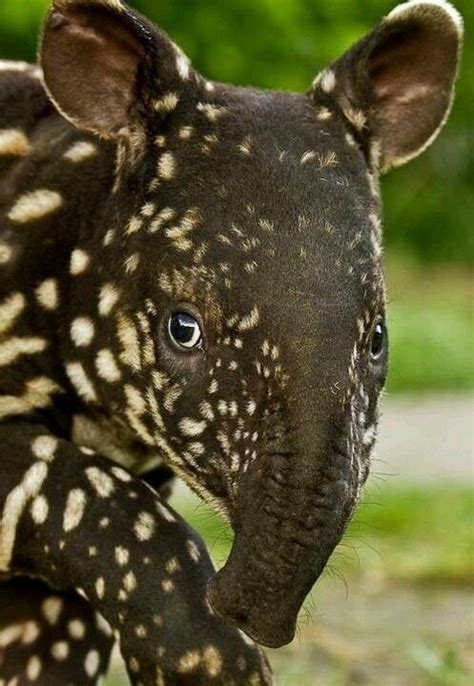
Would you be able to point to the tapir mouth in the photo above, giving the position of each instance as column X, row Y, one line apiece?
column 262, row 629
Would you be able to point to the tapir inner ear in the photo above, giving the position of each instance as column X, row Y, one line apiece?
column 103, row 64
column 396, row 85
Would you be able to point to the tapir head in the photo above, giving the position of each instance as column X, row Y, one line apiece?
column 238, row 299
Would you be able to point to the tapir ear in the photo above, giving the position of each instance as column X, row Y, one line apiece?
column 396, row 85
column 104, row 64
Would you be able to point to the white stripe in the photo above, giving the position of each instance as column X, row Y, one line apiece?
column 15, row 505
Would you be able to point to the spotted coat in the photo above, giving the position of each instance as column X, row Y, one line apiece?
column 191, row 284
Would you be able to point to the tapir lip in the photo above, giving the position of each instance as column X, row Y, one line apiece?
column 269, row 636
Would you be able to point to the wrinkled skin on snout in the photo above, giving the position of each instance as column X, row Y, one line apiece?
column 257, row 216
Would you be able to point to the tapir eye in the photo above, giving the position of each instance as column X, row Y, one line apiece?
column 185, row 331
column 379, row 340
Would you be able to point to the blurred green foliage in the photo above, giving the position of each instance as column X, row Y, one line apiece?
column 283, row 44
column 430, row 321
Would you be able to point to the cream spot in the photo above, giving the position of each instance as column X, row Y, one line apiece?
column 182, row 65
column 100, row 481
column 74, row 510
column 121, row 474
column 144, row 526
column 14, row 347
column 251, row 407
column 327, row 81
column 189, row 661
column 107, row 367
column 76, row 629
column 82, row 331
column 307, row 157
column 109, row 237
column 211, row 112
column 134, row 225
column 35, row 205
column 128, row 337
column 130, row 582
column 193, row 550
column 13, row 142
column 122, row 556
column 350, row 140
column 79, row 261
column 250, row 321
column 80, row 151
column 167, row 103
column 39, row 509
column 100, row 587
column 10, row 634
column 323, row 114
column 167, row 585
column 38, row 392
column 6, row 253
column 141, row 631
column 51, row 609
column 134, row 665
column 33, row 668
column 165, row 215
column 213, row 660
column 135, row 400
column 191, row 427
column 44, row 447
column 92, row 663
column 131, row 263
column 108, row 297
column 31, row 632
column 172, row 566
column 81, row 381
column 60, row 650
column 10, row 310
column 166, row 514
column 186, row 132
column 103, row 625
column 356, row 117
column 47, row 294
column 245, row 146
column 167, row 166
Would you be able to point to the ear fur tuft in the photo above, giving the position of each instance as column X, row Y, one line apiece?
column 395, row 87
column 419, row 6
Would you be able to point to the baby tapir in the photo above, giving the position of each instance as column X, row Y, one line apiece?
column 190, row 283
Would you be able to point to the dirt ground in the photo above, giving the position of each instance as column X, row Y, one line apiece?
column 426, row 438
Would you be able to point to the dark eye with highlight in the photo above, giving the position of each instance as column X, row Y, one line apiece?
column 378, row 344
column 185, row 331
